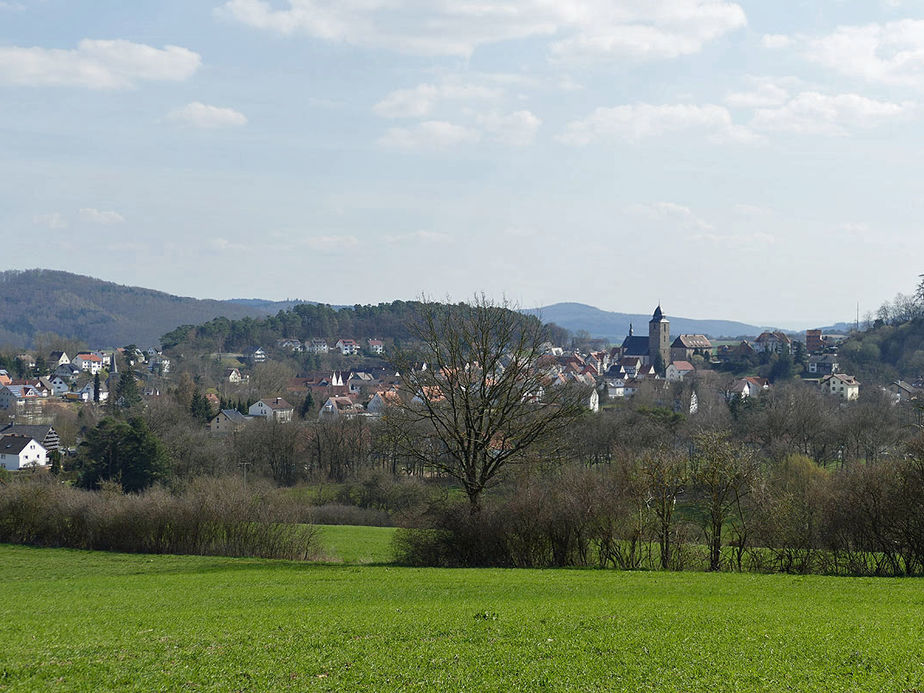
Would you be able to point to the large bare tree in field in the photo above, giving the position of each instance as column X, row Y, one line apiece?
column 475, row 397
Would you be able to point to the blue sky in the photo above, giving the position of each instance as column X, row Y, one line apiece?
column 753, row 160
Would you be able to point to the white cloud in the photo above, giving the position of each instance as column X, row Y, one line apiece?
column 516, row 129
column 200, row 115
column 890, row 53
column 422, row 236
column 330, row 243
column 765, row 93
column 429, row 135
column 638, row 121
column 672, row 213
column 53, row 220
column 812, row 113
column 96, row 65
column 776, row 41
column 12, row 6
column 97, row 216
column 420, row 101
column 582, row 28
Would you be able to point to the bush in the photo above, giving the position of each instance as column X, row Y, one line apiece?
column 219, row 517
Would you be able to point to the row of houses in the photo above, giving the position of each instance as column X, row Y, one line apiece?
column 347, row 347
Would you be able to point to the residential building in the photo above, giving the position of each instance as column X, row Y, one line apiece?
column 318, row 346
column 678, row 370
column 274, row 409
column 21, row 452
column 46, row 435
column 376, row 346
column 228, row 421
column 57, row 358
column 813, row 341
column 5, row 378
column 905, row 392
column 336, row 407
column 841, row 385
column 18, row 397
column 773, row 342
column 823, row 364
column 255, row 355
column 233, row 376
column 88, row 363
column 347, row 347
column 290, row 344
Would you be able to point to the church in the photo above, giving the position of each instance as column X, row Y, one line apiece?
column 656, row 344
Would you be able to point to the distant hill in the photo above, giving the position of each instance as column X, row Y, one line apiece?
column 615, row 326
column 103, row 313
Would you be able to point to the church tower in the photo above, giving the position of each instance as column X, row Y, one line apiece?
column 659, row 338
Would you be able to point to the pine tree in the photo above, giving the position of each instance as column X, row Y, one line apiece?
column 200, row 407
column 127, row 394
column 96, row 387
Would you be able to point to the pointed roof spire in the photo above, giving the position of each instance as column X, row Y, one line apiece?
column 630, row 329
column 658, row 314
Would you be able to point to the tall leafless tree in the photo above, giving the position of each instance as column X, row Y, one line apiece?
column 475, row 396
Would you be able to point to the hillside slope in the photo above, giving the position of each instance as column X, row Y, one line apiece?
column 98, row 312
column 615, row 326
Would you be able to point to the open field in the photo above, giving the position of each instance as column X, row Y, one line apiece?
column 72, row 620
column 356, row 545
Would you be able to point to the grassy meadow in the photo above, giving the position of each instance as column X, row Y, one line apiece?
column 75, row 620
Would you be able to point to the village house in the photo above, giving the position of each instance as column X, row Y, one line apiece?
column 382, row 400
column 686, row 346
column 228, row 421
column 841, row 385
column 750, row 386
column 773, row 342
column 376, row 346
column 5, row 378
column 88, row 363
column 233, row 376
column 45, row 435
column 339, row 407
column 18, row 397
column 255, row 355
column 274, row 409
column 678, row 370
column 347, row 347
column 905, row 392
column 823, row 364
column 57, row 358
column 318, row 346
column 21, row 452
column 290, row 344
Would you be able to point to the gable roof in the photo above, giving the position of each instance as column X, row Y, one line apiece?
column 683, row 366
column 276, row 404
column 14, row 444
column 635, row 346
column 691, row 341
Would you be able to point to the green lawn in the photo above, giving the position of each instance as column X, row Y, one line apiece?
column 72, row 620
column 359, row 545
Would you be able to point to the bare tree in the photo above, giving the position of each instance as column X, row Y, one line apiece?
column 722, row 472
column 475, row 399
column 666, row 473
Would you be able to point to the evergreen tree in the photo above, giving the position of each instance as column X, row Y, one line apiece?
column 200, row 408
column 127, row 394
column 123, row 451
column 96, row 387
column 307, row 405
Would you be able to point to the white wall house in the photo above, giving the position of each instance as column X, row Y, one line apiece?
column 88, row 363
column 840, row 385
column 678, row 370
column 21, row 452
column 275, row 409
column 347, row 347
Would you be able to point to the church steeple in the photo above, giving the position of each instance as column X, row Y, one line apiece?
column 659, row 338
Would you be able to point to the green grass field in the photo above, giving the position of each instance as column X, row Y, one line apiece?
column 72, row 620
column 356, row 545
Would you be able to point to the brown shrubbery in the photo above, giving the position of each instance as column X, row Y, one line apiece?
column 789, row 516
column 211, row 517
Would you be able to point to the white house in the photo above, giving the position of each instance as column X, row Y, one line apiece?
column 335, row 407
column 233, row 376
column 86, row 392
column 317, row 346
column 678, row 370
column 843, row 386
column 376, row 346
column 88, row 363
column 275, row 409
column 347, row 347
column 58, row 358
column 21, row 452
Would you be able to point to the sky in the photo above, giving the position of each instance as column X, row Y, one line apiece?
column 756, row 161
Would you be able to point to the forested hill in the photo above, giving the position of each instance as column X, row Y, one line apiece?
column 306, row 321
column 98, row 312
column 614, row 326
column 886, row 352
